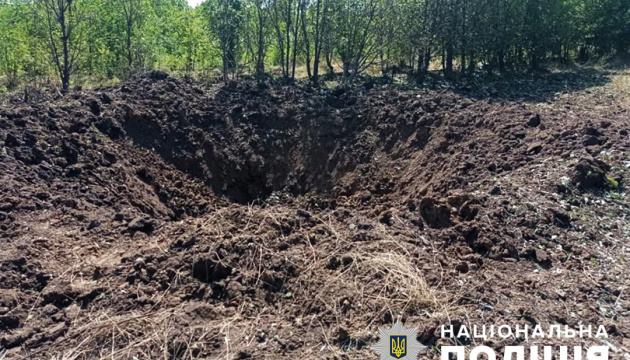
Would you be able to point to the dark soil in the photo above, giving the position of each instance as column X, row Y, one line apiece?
column 158, row 219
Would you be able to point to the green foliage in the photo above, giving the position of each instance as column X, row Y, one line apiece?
column 613, row 183
column 13, row 43
column 225, row 21
column 115, row 38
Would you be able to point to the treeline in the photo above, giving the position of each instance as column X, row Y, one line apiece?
column 96, row 40
column 103, row 39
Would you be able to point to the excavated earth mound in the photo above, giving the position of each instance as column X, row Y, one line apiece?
column 158, row 219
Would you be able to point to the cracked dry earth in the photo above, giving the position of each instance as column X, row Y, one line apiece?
column 159, row 219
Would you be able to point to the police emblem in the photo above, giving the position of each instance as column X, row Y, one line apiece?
column 398, row 343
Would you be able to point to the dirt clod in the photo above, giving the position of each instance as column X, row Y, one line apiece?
column 590, row 174
column 435, row 214
column 462, row 267
column 534, row 148
column 534, row 121
column 142, row 224
column 542, row 257
column 208, row 271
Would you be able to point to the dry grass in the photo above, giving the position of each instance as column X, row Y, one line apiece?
column 396, row 274
column 384, row 279
column 151, row 335
column 385, row 276
column 621, row 87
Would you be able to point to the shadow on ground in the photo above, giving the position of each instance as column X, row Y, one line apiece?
column 524, row 87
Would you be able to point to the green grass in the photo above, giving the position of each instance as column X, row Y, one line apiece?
column 612, row 182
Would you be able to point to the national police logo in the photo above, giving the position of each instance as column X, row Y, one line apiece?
column 398, row 343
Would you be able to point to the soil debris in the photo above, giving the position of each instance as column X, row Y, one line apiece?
column 293, row 221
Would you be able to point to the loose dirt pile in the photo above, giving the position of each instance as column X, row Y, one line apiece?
column 157, row 219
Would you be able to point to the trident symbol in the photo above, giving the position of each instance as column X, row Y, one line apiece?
column 398, row 346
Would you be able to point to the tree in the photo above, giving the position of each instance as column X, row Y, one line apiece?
column 103, row 39
column 357, row 23
column 13, row 43
column 286, row 21
column 260, row 22
column 320, row 29
column 63, row 19
column 130, row 10
column 225, row 17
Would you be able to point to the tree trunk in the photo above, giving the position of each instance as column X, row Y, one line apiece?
column 296, row 35
column 279, row 36
column 420, row 65
column 383, row 65
column 129, row 56
column 471, row 63
column 319, row 28
column 501, row 61
column 281, row 46
column 65, row 73
column 331, row 69
column 449, row 60
column 288, row 38
column 307, row 44
column 224, row 60
column 260, row 59
column 90, row 58
column 583, row 55
column 534, row 61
